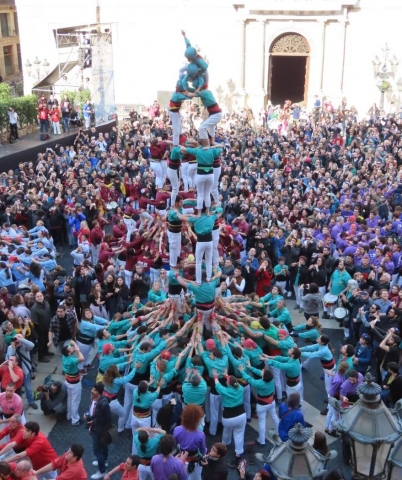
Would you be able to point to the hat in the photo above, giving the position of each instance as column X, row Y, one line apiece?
column 12, row 258
column 99, row 388
column 255, row 325
column 144, row 190
column 352, row 218
column 364, row 293
column 210, row 344
column 191, row 258
column 165, row 355
column 129, row 199
column 107, row 347
column 366, row 336
column 249, row 343
column 283, row 332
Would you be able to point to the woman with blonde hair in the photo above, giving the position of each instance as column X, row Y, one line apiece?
column 310, row 331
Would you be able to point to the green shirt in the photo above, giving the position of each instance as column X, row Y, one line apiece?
column 70, row 364
column 107, row 360
column 194, row 395
column 218, row 364
column 150, row 447
column 119, row 328
column 204, row 293
column 205, row 158
column 231, row 396
column 264, row 389
column 204, row 224
column 145, row 357
column 285, row 344
column 282, row 316
column 254, row 356
column 144, row 400
column 312, row 334
column 289, row 365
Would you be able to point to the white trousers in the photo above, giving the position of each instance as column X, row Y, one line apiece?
column 247, row 400
column 279, row 380
column 56, row 128
column 215, row 412
column 129, row 390
column 95, row 249
column 145, row 472
column 137, row 423
column 328, row 381
column 332, row 416
column 204, row 187
column 173, row 176
column 215, row 243
column 323, row 291
column 191, row 173
column 201, row 249
column 297, row 291
column 184, row 175
column 178, row 300
column 235, row 426
column 215, row 186
column 196, row 473
column 118, row 410
column 164, row 171
column 176, row 126
column 282, row 285
column 73, row 400
column 296, row 389
column 144, row 216
column 128, row 276
column 157, row 169
column 130, row 224
column 156, row 406
column 208, row 126
column 85, row 350
column 262, row 412
column 205, row 318
column 174, row 247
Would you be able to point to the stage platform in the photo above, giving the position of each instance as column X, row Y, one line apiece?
column 28, row 147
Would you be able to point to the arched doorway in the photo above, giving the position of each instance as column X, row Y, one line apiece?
column 288, row 69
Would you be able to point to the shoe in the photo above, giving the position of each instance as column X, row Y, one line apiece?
column 83, row 372
column 301, row 310
column 49, row 354
column 95, row 464
column 89, row 367
column 43, row 360
column 322, row 378
column 333, row 434
column 289, row 294
column 324, row 412
column 296, row 307
column 34, row 406
column 325, row 315
column 98, row 475
column 76, row 424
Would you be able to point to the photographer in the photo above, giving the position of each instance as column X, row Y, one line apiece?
column 53, row 398
column 13, row 119
column 21, row 348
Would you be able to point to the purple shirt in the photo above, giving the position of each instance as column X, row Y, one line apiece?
column 190, row 441
column 350, row 388
column 336, row 383
column 162, row 467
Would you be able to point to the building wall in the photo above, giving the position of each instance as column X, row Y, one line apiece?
column 12, row 40
column 148, row 48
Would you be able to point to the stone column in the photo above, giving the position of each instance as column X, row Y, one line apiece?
column 257, row 93
column 240, row 93
column 337, row 94
column 321, row 55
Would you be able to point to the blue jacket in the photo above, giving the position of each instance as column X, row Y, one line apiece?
column 288, row 420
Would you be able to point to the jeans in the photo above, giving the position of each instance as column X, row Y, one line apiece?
column 14, row 130
column 100, row 451
column 66, row 124
column 28, row 388
column 44, row 125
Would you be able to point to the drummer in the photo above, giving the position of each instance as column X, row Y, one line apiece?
column 337, row 284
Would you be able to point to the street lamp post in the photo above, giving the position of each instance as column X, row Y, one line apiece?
column 395, row 462
column 296, row 459
column 36, row 71
column 387, row 71
column 372, row 430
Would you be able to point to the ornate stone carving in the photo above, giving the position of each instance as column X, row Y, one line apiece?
column 290, row 43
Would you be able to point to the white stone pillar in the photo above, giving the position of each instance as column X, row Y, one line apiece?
column 321, row 55
column 256, row 94
column 239, row 95
column 337, row 94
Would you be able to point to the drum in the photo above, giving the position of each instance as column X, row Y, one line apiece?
column 111, row 206
column 340, row 313
column 330, row 300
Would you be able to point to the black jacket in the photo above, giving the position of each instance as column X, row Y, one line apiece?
column 215, row 470
column 101, row 418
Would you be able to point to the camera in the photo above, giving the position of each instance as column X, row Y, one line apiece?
column 45, row 389
column 14, row 339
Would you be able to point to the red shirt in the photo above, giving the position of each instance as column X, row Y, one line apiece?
column 72, row 471
column 6, row 377
column 133, row 475
column 12, row 433
column 37, row 448
column 12, row 405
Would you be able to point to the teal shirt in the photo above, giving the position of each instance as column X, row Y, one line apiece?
column 282, row 316
column 205, row 158
column 145, row 400
column 157, row 296
column 289, row 365
column 264, row 389
column 207, row 98
column 271, row 299
column 322, row 352
column 204, row 224
column 236, row 361
column 150, row 447
column 312, row 334
column 117, row 344
column 172, row 215
column 280, row 267
column 179, row 97
column 285, row 344
column 199, row 61
column 194, row 395
column 254, row 356
column 120, row 327
column 231, row 396
column 145, row 357
column 167, row 376
column 70, row 364
column 175, row 153
column 219, row 364
column 119, row 382
column 339, row 281
column 107, row 360
column 171, row 277
column 204, row 293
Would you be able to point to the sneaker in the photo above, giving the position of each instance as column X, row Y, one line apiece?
column 289, row 294
column 95, row 463
column 332, row 433
column 296, row 307
column 325, row 315
column 49, row 354
column 34, row 406
column 98, row 475
column 89, row 367
column 83, row 372
column 43, row 360
column 324, row 412
column 76, row 424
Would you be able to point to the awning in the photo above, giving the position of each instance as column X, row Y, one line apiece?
column 54, row 76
